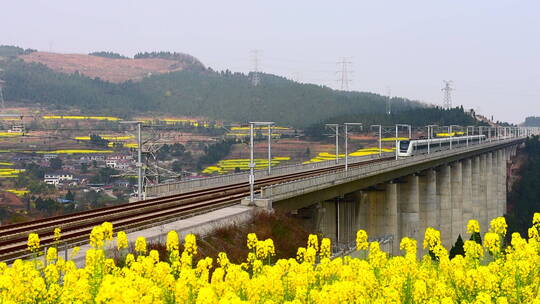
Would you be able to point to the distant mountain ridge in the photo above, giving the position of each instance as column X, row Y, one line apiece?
column 189, row 90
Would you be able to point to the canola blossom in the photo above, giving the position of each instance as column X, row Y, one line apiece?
column 230, row 165
column 325, row 156
column 80, row 117
column 492, row 272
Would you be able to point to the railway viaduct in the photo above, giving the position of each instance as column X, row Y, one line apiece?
column 393, row 199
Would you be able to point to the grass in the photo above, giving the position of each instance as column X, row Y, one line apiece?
column 287, row 232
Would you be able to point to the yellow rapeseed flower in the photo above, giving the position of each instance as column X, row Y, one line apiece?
column 251, row 240
column 473, row 250
column 536, row 219
column 492, row 242
column 190, row 244
column 313, row 242
column 409, row 245
column 121, row 240
column 107, row 231
column 361, row 240
column 473, row 227
column 172, row 241
column 325, row 251
column 52, row 254
column 432, row 238
column 504, row 276
column 57, row 234
column 498, row 225
column 140, row 245
column 97, row 235
column 33, row 242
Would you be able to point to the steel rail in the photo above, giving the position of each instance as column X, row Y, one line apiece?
column 76, row 227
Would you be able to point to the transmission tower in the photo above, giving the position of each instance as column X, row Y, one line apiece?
column 344, row 73
column 447, row 89
column 389, row 102
column 255, row 80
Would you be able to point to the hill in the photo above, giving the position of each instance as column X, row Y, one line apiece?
column 532, row 121
column 62, row 81
column 106, row 68
column 194, row 91
column 418, row 117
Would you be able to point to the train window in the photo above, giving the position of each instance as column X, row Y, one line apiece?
column 404, row 145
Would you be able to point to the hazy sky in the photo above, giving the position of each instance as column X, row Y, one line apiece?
column 490, row 49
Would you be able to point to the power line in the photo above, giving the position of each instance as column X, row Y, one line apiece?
column 344, row 73
column 255, row 79
column 447, row 89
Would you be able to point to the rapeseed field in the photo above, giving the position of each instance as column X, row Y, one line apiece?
column 489, row 272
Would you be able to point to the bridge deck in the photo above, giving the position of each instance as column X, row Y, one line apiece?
column 401, row 167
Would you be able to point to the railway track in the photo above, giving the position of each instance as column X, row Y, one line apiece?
column 141, row 214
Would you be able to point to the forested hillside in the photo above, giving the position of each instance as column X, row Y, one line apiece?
column 532, row 121
column 194, row 91
column 524, row 200
column 416, row 117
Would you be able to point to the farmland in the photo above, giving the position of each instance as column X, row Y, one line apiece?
column 489, row 271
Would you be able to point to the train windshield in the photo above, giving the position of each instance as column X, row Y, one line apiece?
column 404, row 145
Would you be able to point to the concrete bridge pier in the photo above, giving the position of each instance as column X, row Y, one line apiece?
column 340, row 218
column 503, row 182
column 443, row 196
column 483, row 197
column 409, row 208
column 444, row 199
column 476, row 200
column 491, row 184
column 467, row 194
column 457, row 199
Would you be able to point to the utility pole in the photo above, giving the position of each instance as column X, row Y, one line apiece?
column 139, row 163
column 447, row 98
column 335, row 127
column 380, row 138
column 255, row 79
column 450, row 133
column 430, row 136
column 139, row 158
column 347, row 140
column 344, row 73
column 252, row 125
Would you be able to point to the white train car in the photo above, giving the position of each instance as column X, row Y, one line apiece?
column 420, row 146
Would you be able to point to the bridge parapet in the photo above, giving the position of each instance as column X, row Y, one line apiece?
column 229, row 179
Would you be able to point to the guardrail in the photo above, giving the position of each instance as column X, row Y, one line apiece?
column 306, row 185
column 224, row 180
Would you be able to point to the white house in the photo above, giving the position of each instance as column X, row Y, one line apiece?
column 57, row 178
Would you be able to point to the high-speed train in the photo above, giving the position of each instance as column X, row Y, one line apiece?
column 420, row 146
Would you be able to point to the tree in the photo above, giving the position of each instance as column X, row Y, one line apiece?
column 104, row 176
column 457, row 248
column 98, row 141
column 70, row 196
column 177, row 166
column 84, row 168
column 55, row 163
